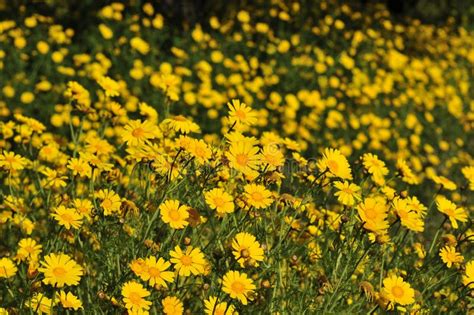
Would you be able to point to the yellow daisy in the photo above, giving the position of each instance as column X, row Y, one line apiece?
column 335, row 164
column 217, row 199
column 60, row 270
column 257, row 196
column 191, row 261
column 174, row 214
column 238, row 286
column 247, row 249
column 134, row 295
column 398, row 291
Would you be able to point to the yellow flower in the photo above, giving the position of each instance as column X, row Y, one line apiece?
column 28, row 249
column 374, row 215
column 139, row 267
column 110, row 86
column 105, row 31
column 182, row 124
column 69, row 300
column 174, row 214
column 11, row 161
column 140, row 45
column 238, row 286
column 335, row 163
column 172, row 306
column 60, row 269
column 451, row 211
column 468, row 277
column 134, row 295
column 41, row 304
column 450, row 256
column 348, row 193
column 155, row 273
column 67, row 217
column 407, row 174
column 214, row 308
column 443, row 181
column 217, row 199
column 240, row 113
column 409, row 218
column 110, row 201
column 83, row 207
column 257, row 196
column 192, row 261
column 8, row 268
column 375, row 167
column 243, row 156
column 137, row 132
column 27, row 97
column 398, row 291
column 271, row 157
column 468, row 172
column 247, row 249
column 80, row 167
column 54, row 179
column 199, row 150
column 168, row 83
column 79, row 95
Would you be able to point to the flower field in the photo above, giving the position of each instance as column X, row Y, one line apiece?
column 283, row 159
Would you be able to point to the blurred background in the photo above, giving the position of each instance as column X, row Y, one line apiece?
column 79, row 14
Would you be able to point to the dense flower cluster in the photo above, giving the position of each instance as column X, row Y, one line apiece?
column 258, row 164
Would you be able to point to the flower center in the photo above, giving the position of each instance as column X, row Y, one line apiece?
column 59, row 271
column 240, row 114
column 449, row 212
column 256, row 196
column 397, row 291
column 370, row 213
column 174, row 215
column 180, row 118
column 67, row 217
column 186, row 260
column 348, row 191
column 219, row 202
column 138, row 132
column 242, row 159
column 333, row 166
column 107, row 203
column 154, row 272
column 135, row 298
column 238, row 287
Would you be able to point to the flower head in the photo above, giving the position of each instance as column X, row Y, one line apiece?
column 335, row 164
column 174, row 214
column 60, row 270
column 8, row 268
column 348, row 193
column 172, row 306
column 398, row 291
column 257, row 196
column 134, row 295
column 110, row 86
column 238, row 286
column 247, row 249
column 155, row 272
column 219, row 200
column 240, row 113
column 190, row 261
column 453, row 212
column 450, row 256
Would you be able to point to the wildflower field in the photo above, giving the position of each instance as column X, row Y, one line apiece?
column 289, row 157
